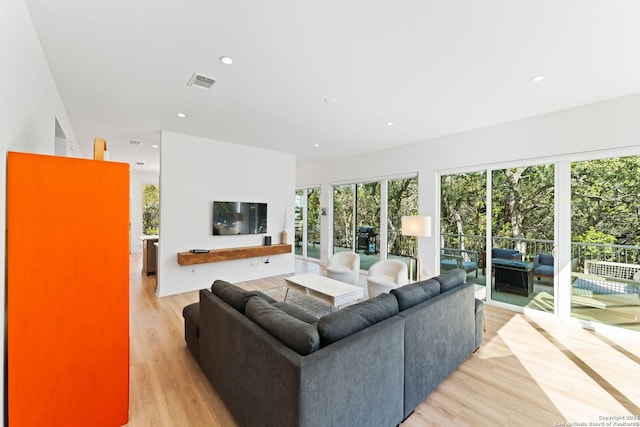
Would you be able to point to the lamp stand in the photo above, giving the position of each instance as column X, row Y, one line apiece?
column 415, row 269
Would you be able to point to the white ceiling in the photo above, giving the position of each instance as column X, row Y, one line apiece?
column 431, row 67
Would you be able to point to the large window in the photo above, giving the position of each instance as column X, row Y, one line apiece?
column 150, row 209
column 605, row 229
column 366, row 219
column 402, row 199
column 523, row 234
column 307, row 225
column 561, row 237
column 463, row 223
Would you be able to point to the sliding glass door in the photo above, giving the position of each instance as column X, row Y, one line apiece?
column 605, row 226
column 463, row 224
column 307, row 226
column 523, row 236
column 561, row 237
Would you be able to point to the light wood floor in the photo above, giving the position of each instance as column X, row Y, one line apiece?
column 528, row 372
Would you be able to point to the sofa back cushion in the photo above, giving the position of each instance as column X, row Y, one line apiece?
column 234, row 296
column 415, row 293
column 451, row 280
column 296, row 334
column 340, row 324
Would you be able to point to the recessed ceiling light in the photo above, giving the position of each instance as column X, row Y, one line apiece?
column 329, row 100
column 155, row 146
column 182, row 115
column 316, row 145
column 537, row 79
column 390, row 123
column 225, row 60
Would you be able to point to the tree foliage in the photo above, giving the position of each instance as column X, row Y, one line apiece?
column 606, row 197
column 605, row 202
column 150, row 209
column 365, row 200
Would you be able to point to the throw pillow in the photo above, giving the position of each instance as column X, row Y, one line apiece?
column 231, row 294
column 296, row 312
column 299, row 336
column 351, row 319
column 235, row 296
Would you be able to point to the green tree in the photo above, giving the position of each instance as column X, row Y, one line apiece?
column 402, row 199
column 150, row 209
column 606, row 197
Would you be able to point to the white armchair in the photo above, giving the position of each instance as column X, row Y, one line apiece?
column 345, row 267
column 386, row 275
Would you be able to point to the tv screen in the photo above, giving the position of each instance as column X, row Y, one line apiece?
column 239, row 218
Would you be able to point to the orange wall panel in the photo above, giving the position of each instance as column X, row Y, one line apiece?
column 67, row 291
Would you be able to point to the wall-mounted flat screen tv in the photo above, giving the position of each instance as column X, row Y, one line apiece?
column 239, row 218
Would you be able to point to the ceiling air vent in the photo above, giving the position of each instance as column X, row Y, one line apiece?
column 200, row 81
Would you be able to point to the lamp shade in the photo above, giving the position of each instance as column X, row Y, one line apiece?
column 416, row 226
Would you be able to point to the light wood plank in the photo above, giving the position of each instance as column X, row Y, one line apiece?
column 226, row 254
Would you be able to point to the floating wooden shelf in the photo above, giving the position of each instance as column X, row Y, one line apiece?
column 227, row 254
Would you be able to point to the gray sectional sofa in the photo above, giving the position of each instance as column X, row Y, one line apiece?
column 368, row 364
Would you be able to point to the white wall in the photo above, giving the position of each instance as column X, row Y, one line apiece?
column 29, row 103
column 138, row 178
column 194, row 173
column 605, row 125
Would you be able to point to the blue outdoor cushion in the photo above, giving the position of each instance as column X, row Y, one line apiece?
column 544, row 270
column 545, row 259
column 504, row 253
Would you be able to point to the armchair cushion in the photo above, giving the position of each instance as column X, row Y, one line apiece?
column 545, row 259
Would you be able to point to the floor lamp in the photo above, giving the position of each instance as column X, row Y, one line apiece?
column 417, row 226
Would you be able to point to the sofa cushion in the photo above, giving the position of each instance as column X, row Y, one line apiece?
column 235, row 296
column 452, row 279
column 351, row 319
column 299, row 336
column 297, row 312
column 415, row 293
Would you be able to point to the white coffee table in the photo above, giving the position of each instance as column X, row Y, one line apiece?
column 333, row 292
